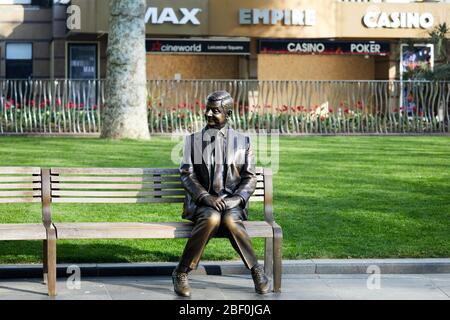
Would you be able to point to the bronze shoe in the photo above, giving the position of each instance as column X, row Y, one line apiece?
column 181, row 284
column 262, row 284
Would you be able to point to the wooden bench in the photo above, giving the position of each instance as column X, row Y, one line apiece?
column 137, row 185
column 26, row 185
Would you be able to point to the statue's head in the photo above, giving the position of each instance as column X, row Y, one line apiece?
column 219, row 107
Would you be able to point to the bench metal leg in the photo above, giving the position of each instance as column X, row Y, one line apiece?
column 51, row 263
column 268, row 257
column 44, row 261
column 277, row 258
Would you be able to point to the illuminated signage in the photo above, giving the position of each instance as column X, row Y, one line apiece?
column 169, row 15
column 293, row 17
column 396, row 20
column 200, row 46
column 303, row 46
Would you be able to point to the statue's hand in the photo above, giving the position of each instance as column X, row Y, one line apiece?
column 214, row 202
column 233, row 202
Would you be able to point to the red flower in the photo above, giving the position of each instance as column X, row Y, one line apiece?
column 359, row 105
column 346, row 110
column 330, row 110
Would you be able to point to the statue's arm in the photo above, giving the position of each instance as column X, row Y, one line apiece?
column 248, row 175
column 188, row 176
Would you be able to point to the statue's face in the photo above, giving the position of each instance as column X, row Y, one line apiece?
column 215, row 115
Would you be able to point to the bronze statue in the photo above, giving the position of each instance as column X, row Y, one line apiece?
column 218, row 173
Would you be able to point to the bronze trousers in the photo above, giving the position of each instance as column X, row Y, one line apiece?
column 209, row 222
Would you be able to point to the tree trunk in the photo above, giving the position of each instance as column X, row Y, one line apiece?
column 125, row 111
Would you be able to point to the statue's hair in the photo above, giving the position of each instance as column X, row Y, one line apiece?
column 223, row 98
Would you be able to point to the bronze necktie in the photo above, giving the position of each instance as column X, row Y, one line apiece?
column 217, row 163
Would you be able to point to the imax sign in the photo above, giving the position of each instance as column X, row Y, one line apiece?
column 169, row 15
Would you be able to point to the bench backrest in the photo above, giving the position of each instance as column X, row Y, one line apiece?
column 20, row 184
column 123, row 185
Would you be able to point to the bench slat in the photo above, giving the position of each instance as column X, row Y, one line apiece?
column 20, row 179
column 122, row 171
column 10, row 186
column 259, row 192
column 117, row 200
column 136, row 230
column 20, row 193
column 20, row 170
column 131, row 200
column 14, row 200
column 114, row 171
column 125, row 186
column 22, row 232
column 118, row 194
column 115, row 179
column 111, row 186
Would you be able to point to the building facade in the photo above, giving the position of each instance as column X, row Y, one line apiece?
column 231, row 39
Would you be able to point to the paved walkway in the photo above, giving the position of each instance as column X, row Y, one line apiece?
column 240, row 287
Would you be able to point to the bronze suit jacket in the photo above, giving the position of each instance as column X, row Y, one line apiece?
column 240, row 177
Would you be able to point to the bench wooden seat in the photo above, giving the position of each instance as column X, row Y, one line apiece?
column 23, row 231
column 150, row 230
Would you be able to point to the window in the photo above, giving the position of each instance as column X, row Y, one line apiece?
column 42, row 3
column 82, row 61
column 19, row 60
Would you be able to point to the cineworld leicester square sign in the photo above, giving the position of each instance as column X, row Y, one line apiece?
column 299, row 46
column 198, row 46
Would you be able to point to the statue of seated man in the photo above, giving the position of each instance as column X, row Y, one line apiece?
column 218, row 173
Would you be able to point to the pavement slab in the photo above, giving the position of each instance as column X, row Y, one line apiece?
column 237, row 287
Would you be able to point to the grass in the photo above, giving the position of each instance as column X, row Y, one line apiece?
column 335, row 197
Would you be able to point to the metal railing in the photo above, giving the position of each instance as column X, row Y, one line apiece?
column 50, row 106
column 292, row 107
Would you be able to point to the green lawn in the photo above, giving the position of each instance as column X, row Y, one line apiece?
column 335, row 197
